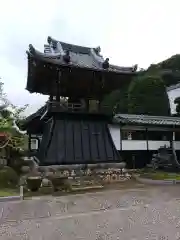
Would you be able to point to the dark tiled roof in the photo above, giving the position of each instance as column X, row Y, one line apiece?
column 146, row 120
column 33, row 116
column 38, row 113
column 75, row 48
column 84, row 60
column 173, row 87
column 79, row 56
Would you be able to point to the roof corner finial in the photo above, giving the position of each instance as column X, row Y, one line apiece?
column 49, row 39
column 105, row 64
column 97, row 50
column 31, row 49
column 67, row 57
column 135, row 67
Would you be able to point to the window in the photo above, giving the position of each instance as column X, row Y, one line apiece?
column 34, row 144
column 159, row 135
column 177, row 136
column 139, row 135
column 126, row 135
column 133, row 135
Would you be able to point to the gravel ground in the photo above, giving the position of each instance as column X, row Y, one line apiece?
column 151, row 213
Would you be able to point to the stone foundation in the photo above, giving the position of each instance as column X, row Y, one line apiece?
column 104, row 173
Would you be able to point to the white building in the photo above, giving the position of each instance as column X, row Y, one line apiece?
column 173, row 93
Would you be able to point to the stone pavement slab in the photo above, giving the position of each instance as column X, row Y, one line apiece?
column 152, row 213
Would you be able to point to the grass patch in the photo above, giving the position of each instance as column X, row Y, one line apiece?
column 5, row 192
column 161, row 176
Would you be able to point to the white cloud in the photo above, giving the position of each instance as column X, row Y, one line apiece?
column 128, row 32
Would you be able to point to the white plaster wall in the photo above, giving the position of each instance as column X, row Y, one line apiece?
column 134, row 145
column 115, row 134
column 154, row 145
column 177, row 145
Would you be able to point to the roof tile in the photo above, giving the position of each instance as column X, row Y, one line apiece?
column 146, row 119
column 80, row 56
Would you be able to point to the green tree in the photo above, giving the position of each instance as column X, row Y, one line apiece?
column 169, row 70
column 9, row 116
column 147, row 95
column 117, row 101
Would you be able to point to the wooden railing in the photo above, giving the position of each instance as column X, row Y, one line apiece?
column 69, row 107
column 74, row 107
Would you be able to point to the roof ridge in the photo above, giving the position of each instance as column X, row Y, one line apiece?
column 75, row 45
column 147, row 119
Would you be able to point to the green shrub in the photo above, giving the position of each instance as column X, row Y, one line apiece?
column 147, row 95
column 34, row 183
column 8, row 177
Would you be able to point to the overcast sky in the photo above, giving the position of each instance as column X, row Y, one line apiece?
column 128, row 31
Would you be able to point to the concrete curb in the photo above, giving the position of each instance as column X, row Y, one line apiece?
column 87, row 188
column 157, row 182
column 10, row 198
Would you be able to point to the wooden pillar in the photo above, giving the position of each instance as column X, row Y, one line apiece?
column 51, row 98
column 87, row 104
column 172, row 138
column 147, row 146
column 120, row 138
column 99, row 104
column 29, row 142
column 58, row 86
column 147, row 140
column 39, row 142
column 174, row 135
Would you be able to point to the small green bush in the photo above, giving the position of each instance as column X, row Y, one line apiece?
column 8, row 177
column 34, row 183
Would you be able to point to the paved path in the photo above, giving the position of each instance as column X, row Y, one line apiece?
column 152, row 213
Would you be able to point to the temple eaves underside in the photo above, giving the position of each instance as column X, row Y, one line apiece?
column 74, row 70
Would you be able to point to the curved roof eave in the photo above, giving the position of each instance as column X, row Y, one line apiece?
column 52, row 59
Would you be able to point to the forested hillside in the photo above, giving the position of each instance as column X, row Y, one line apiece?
column 147, row 91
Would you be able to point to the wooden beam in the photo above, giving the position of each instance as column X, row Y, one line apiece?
column 120, row 132
column 154, row 128
column 58, row 81
column 29, row 142
column 147, row 140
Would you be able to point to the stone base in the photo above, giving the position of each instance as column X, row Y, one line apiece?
column 75, row 189
column 85, row 177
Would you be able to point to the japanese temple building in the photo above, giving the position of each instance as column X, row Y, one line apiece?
column 136, row 137
column 73, row 125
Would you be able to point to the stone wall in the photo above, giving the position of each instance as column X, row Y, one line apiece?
column 106, row 173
